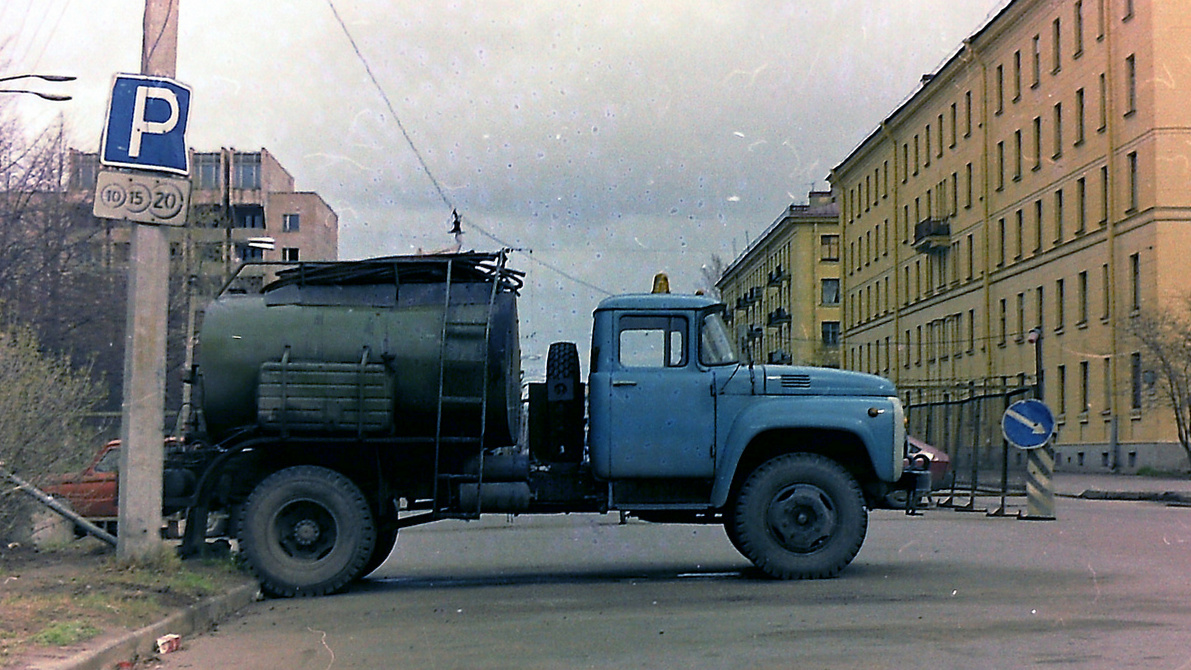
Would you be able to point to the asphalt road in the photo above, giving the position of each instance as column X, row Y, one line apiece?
column 1107, row 585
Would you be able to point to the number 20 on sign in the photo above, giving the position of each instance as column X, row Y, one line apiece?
column 136, row 197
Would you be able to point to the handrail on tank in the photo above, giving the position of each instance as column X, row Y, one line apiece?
column 476, row 266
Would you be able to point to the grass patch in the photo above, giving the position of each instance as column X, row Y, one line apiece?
column 64, row 634
column 63, row 597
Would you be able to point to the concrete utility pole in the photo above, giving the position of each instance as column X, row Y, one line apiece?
column 142, row 452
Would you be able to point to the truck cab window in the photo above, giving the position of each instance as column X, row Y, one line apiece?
column 715, row 347
column 652, row 342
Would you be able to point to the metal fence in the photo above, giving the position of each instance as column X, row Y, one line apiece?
column 965, row 422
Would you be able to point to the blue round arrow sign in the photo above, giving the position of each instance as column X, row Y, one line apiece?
column 1028, row 424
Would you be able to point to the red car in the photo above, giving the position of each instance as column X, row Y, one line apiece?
column 93, row 492
column 937, row 460
column 921, row 455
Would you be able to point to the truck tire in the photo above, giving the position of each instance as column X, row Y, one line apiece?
column 564, row 403
column 306, row 531
column 799, row 516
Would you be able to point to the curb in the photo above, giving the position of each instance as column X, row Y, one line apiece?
column 141, row 643
column 1148, row 496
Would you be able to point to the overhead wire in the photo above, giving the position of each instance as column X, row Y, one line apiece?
column 430, row 174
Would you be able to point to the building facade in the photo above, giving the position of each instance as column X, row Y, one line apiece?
column 1038, row 180
column 783, row 292
column 243, row 207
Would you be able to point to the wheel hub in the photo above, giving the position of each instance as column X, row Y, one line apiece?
column 306, row 532
column 801, row 517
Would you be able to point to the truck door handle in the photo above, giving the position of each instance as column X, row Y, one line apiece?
column 624, row 382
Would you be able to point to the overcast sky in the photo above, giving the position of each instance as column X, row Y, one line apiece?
column 610, row 140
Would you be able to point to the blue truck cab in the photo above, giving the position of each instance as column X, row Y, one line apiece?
column 789, row 458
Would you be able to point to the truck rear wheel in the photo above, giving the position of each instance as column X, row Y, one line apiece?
column 306, row 531
column 800, row 516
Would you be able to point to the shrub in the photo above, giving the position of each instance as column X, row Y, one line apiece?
column 44, row 402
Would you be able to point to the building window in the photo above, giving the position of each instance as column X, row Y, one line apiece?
column 1081, row 204
column 1104, row 292
column 291, row 223
column 1037, row 226
column 1082, row 297
column 1000, row 166
column 1001, row 242
column 1128, row 10
column 206, row 168
column 971, row 331
column 1039, row 306
column 246, row 171
column 1103, row 104
column 830, row 291
column 1130, row 84
column 1135, row 378
column 1056, row 30
column 1060, row 302
column 1104, row 194
column 1017, row 150
column 1135, row 282
column 1000, row 88
column 290, row 254
column 1058, row 129
column 1061, row 389
column 1078, row 28
column 1131, row 160
column 1004, row 324
column 1016, row 76
column 248, row 216
column 1036, row 66
column 1106, row 383
column 954, row 123
column 1083, row 386
column 830, row 331
column 1019, row 232
column 1079, row 116
column 246, row 252
column 1059, row 216
column 971, row 256
column 968, row 186
column 829, row 247
column 1037, row 143
column 967, row 114
column 1021, row 316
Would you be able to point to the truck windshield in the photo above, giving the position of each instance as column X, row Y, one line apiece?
column 715, row 347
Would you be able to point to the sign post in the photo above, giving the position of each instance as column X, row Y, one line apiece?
column 145, row 129
column 1030, row 425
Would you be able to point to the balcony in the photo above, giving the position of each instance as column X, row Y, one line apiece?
column 932, row 235
column 778, row 317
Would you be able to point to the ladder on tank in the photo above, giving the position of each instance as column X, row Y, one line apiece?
column 456, row 334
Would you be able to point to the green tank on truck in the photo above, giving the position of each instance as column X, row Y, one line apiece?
column 344, row 401
column 319, row 354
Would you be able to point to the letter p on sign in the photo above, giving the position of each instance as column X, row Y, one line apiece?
column 146, row 124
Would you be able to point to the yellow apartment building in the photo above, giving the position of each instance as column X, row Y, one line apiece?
column 783, row 292
column 1039, row 179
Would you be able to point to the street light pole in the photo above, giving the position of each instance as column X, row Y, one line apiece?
column 54, row 97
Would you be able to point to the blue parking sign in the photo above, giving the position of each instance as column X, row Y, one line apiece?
column 146, row 124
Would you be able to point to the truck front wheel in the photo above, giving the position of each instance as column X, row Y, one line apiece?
column 799, row 516
column 306, row 531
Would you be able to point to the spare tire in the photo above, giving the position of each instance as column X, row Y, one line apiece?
column 564, row 403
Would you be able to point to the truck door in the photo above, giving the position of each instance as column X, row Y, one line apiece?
column 661, row 409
